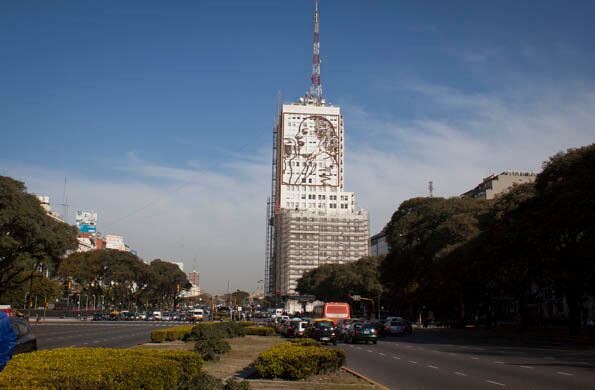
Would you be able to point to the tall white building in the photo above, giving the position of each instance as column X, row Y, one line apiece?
column 311, row 219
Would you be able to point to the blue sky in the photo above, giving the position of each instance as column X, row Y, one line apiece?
column 160, row 112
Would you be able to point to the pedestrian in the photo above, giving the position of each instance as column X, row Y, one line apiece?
column 8, row 340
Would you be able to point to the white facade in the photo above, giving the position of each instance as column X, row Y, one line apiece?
column 316, row 221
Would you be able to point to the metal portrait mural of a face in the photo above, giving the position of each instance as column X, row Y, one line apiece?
column 311, row 155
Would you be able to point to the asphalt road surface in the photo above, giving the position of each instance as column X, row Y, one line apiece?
column 431, row 359
column 112, row 334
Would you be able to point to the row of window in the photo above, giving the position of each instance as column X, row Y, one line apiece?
column 344, row 206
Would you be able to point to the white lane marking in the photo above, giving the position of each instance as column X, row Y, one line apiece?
column 369, row 350
column 498, row 362
column 451, row 353
column 475, row 358
column 496, row 383
column 358, row 347
column 527, row 367
column 564, row 373
column 396, row 357
column 460, row 373
column 433, row 350
column 380, row 353
column 412, row 361
column 434, row 367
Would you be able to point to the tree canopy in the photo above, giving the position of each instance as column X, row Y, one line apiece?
column 28, row 236
column 336, row 282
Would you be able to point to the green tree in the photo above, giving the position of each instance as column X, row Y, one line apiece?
column 28, row 236
column 422, row 233
column 42, row 288
column 336, row 282
column 566, row 195
column 165, row 282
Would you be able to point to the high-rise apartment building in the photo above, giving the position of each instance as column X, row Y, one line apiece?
column 311, row 220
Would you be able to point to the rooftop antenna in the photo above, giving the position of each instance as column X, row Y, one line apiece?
column 431, row 188
column 64, row 203
column 315, row 85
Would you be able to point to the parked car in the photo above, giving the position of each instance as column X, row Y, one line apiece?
column 296, row 328
column 26, row 341
column 365, row 332
column 323, row 331
column 156, row 316
column 166, row 316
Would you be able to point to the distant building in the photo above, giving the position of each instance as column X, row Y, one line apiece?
column 194, row 277
column 494, row 185
column 378, row 244
column 44, row 201
column 179, row 264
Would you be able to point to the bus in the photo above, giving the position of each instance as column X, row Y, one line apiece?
column 333, row 311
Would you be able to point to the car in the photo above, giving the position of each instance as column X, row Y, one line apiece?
column 379, row 326
column 156, row 316
column 397, row 327
column 365, row 332
column 343, row 326
column 323, row 331
column 166, row 316
column 296, row 328
column 26, row 341
column 197, row 314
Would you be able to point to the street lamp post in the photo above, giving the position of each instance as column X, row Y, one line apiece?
column 94, row 307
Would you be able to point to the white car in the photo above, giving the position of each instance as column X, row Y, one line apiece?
column 157, row 316
column 197, row 314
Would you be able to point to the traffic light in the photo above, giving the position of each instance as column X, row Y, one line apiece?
column 70, row 285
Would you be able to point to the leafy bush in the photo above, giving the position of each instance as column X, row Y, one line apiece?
column 232, row 384
column 214, row 330
column 260, row 330
column 209, row 349
column 101, row 368
column 294, row 361
column 204, row 381
column 171, row 334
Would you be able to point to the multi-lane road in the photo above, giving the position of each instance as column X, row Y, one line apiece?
column 433, row 360
column 116, row 334
column 428, row 359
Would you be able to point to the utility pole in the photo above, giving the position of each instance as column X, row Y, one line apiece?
column 431, row 189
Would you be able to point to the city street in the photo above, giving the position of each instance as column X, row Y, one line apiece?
column 430, row 359
column 112, row 334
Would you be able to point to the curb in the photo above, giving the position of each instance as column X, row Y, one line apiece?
column 365, row 378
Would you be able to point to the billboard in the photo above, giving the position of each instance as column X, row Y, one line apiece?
column 114, row 242
column 86, row 221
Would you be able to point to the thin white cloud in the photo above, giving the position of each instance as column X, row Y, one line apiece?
column 179, row 214
column 481, row 134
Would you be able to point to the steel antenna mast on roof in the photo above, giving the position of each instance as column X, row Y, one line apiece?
column 315, row 84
